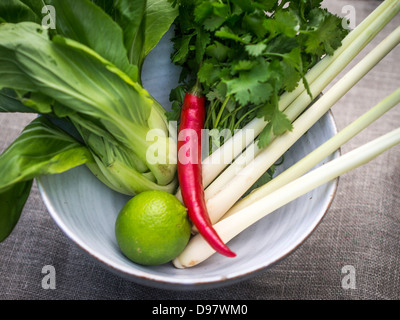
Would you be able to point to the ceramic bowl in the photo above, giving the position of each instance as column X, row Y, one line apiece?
column 86, row 210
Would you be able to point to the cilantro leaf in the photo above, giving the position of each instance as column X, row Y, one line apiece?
column 292, row 76
column 255, row 50
column 265, row 178
column 227, row 33
column 202, row 40
column 244, row 5
column 218, row 51
column 202, row 11
column 325, row 35
column 287, row 23
column 213, row 23
column 208, row 73
column 254, row 23
column 244, row 65
column 268, row 5
column 250, row 86
column 278, row 123
column 182, row 46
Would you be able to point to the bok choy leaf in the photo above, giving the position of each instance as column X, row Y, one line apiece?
column 42, row 148
column 12, row 201
column 15, row 11
column 84, row 22
column 143, row 24
column 9, row 102
column 113, row 113
column 122, row 31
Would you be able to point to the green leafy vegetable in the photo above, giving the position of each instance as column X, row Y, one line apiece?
column 12, row 201
column 136, row 25
column 159, row 17
column 83, row 21
column 9, row 102
column 84, row 76
column 132, row 20
column 143, row 24
column 42, row 148
column 87, row 85
column 15, row 11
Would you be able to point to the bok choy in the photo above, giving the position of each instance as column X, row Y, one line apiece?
column 83, row 76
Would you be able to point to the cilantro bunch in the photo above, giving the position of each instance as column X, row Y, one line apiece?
column 246, row 53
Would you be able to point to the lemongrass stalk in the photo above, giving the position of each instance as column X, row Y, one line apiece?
column 225, row 198
column 199, row 250
column 355, row 41
column 236, row 167
column 319, row 154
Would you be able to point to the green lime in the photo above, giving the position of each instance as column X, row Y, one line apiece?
column 152, row 228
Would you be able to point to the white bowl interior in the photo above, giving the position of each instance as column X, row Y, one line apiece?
column 85, row 209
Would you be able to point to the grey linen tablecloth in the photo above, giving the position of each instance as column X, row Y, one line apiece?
column 360, row 232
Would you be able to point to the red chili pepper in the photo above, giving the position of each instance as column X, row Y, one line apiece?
column 190, row 169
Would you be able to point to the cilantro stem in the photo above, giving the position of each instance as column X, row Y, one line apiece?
column 275, row 54
column 237, row 124
column 232, row 115
column 229, row 7
column 221, row 111
column 210, row 114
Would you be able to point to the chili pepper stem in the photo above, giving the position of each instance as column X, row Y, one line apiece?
column 197, row 90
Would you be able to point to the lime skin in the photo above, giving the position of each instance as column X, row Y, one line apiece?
column 152, row 228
